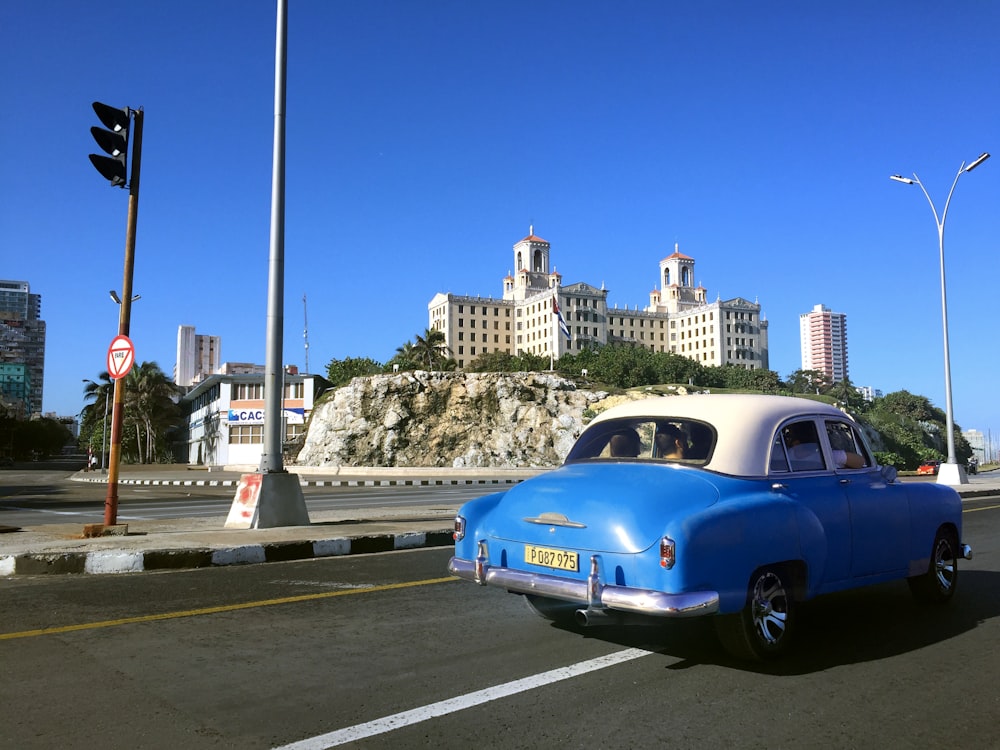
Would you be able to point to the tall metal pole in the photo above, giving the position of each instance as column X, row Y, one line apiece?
column 279, row 499
column 271, row 459
column 950, row 472
column 124, row 320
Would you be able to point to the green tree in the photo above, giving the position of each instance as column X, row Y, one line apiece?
column 150, row 412
column 742, row 379
column 429, row 350
column 95, row 417
column 340, row 371
column 497, row 361
column 807, row 381
column 845, row 392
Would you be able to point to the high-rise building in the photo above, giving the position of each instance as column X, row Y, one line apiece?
column 538, row 315
column 198, row 356
column 22, row 342
column 824, row 342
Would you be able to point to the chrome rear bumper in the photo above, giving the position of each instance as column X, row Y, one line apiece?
column 591, row 594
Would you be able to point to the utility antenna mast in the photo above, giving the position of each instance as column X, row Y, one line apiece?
column 305, row 330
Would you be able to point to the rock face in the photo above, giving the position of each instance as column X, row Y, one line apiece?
column 502, row 420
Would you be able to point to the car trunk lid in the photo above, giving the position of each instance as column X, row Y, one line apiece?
column 613, row 507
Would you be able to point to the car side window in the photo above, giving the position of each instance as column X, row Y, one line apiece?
column 779, row 460
column 802, row 446
column 848, row 448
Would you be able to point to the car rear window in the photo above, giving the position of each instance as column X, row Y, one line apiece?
column 676, row 440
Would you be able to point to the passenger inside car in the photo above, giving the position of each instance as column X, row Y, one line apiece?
column 802, row 443
column 625, row 444
column 671, row 442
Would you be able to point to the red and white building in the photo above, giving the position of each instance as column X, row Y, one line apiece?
column 824, row 342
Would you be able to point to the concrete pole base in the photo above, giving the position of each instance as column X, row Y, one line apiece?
column 267, row 500
column 952, row 474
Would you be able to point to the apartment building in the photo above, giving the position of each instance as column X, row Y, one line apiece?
column 823, row 336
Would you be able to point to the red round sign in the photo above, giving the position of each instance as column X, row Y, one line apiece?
column 121, row 357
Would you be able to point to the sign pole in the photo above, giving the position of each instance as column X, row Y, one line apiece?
column 124, row 320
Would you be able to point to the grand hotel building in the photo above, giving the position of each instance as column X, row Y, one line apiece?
column 678, row 319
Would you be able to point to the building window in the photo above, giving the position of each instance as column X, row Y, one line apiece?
column 247, row 392
column 246, row 434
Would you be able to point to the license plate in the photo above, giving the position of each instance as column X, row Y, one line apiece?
column 552, row 558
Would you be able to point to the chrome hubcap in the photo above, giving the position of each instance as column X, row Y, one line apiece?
column 769, row 608
column 944, row 565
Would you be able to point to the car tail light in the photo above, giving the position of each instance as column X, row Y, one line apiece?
column 459, row 534
column 667, row 553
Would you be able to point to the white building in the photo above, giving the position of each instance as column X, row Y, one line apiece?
column 981, row 445
column 197, row 356
column 226, row 415
column 524, row 321
column 823, row 336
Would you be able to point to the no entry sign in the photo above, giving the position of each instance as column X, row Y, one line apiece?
column 121, row 357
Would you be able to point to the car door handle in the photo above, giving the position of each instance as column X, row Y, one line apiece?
column 845, row 481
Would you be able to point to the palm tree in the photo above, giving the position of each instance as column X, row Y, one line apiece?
column 404, row 357
column 429, row 350
column 96, row 413
column 149, row 410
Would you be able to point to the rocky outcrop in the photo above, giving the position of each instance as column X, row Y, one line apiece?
column 501, row 420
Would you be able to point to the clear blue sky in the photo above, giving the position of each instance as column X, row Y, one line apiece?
column 424, row 137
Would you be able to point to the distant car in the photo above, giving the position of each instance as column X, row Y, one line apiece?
column 928, row 467
column 6, row 462
column 729, row 506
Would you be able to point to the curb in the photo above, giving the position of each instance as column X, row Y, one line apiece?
column 120, row 561
column 307, row 482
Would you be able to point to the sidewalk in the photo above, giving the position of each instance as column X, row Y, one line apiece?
column 202, row 542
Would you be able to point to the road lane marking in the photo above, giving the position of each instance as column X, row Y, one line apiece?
column 451, row 705
column 220, row 609
column 985, row 507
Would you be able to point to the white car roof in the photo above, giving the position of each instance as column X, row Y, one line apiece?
column 745, row 423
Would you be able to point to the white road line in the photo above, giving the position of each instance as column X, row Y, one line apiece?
column 451, row 705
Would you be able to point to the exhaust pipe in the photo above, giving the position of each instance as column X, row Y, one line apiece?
column 596, row 617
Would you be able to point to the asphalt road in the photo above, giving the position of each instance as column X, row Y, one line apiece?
column 385, row 651
column 42, row 496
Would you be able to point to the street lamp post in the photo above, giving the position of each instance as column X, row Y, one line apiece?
column 950, row 472
column 104, row 436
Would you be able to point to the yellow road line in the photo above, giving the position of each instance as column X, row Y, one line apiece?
column 985, row 507
column 217, row 610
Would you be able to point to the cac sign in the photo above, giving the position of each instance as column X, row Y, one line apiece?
column 246, row 416
column 121, row 357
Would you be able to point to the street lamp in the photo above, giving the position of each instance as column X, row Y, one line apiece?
column 950, row 472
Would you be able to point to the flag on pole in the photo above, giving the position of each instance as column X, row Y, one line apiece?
column 562, row 323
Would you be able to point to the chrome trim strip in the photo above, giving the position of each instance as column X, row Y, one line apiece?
column 623, row 598
column 555, row 519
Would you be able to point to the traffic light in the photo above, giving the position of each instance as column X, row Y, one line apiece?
column 113, row 141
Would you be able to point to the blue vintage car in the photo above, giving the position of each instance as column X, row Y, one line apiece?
column 730, row 506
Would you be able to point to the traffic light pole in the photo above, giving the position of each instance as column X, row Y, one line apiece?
column 124, row 320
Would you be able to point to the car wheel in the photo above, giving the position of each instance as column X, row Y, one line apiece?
column 937, row 585
column 762, row 629
column 555, row 610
